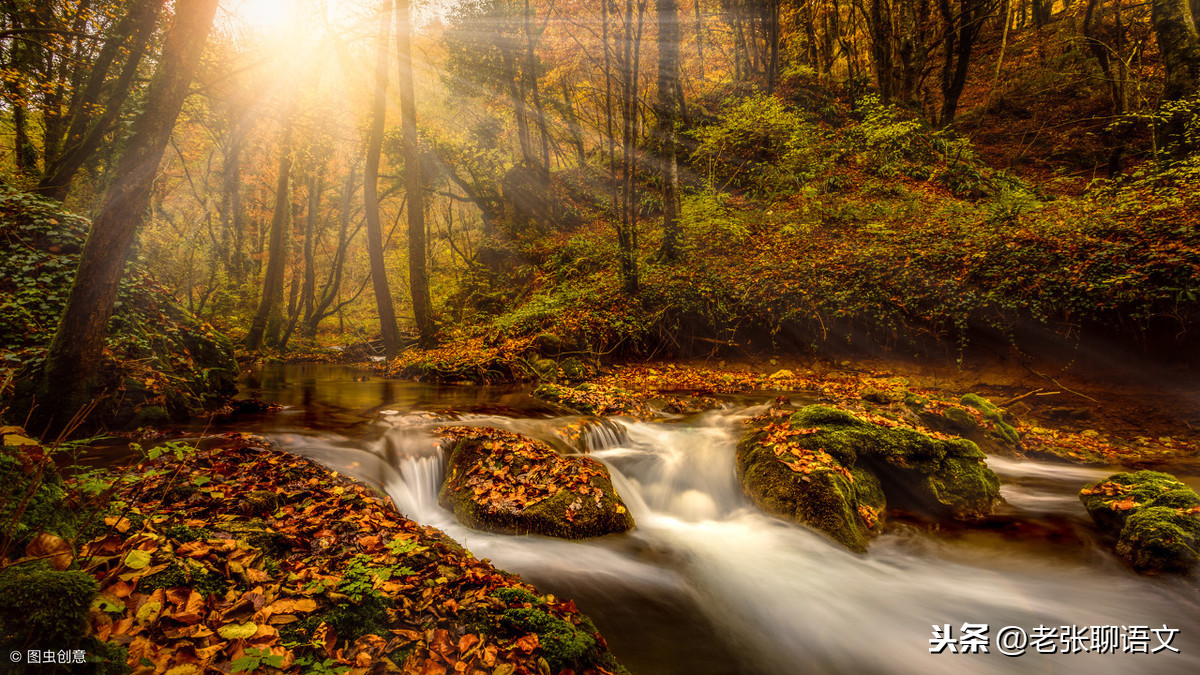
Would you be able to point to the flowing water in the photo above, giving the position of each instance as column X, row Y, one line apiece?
column 707, row 584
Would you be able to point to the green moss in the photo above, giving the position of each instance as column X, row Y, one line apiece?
column 1001, row 430
column 977, row 402
column 896, row 465
column 511, row 595
column 352, row 620
column 1144, row 488
column 826, row 501
column 563, row 645
column 184, row 534
column 183, row 575
column 545, row 369
column 943, row 477
column 1154, row 518
column 104, row 658
column 960, row 418
column 1161, row 539
column 43, row 607
column 573, row 369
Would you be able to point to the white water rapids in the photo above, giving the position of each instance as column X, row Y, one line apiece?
column 707, row 584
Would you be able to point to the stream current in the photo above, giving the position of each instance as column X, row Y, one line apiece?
column 707, row 584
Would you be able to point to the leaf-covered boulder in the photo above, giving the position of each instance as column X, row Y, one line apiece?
column 160, row 362
column 835, row 472
column 592, row 399
column 1154, row 518
column 503, row 482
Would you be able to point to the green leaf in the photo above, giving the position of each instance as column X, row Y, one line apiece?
column 136, row 560
column 244, row 664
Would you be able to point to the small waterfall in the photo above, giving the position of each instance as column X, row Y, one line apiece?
column 602, row 434
column 678, row 472
column 420, row 464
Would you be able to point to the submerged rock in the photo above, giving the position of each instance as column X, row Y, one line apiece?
column 828, row 469
column 1154, row 518
column 503, row 482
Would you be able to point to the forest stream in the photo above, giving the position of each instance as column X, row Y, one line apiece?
column 705, row 581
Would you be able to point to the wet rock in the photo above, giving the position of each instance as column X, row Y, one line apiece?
column 974, row 419
column 503, row 482
column 828, row 469
column 1154, row 518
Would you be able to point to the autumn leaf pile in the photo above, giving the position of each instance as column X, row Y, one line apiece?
column 240, row 558
column 1117, row 491
column 781, row 437
column 593, row 399
column 475, row 358
column 517, row 472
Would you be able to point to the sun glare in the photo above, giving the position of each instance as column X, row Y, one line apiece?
column 258, row 14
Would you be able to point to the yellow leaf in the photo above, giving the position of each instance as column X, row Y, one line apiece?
column 149, row 612
column 16, row 440
column 238, row 631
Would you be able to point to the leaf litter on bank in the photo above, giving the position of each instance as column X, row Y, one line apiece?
column 277, row 565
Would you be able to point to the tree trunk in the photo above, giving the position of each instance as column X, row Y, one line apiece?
column 667, row 113
column 333, row 283
column 1175, row 24
column 962, row 29
column 268, row 319
column 383, row 293
column 881, row 47
column 86, row 133
column 71, row 374
column 418, row 276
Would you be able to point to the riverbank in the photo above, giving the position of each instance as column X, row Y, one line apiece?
column 236, row 557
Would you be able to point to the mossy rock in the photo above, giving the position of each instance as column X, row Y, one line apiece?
column 828, row 469
column 1161, row 539
column 574, row 370
column 883, row 396
column 825, row 499
column 502, row 482
column 993, row 433
column 1110, row 502
column 1154, row 518
column 545, row 370
column 1001, row 430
